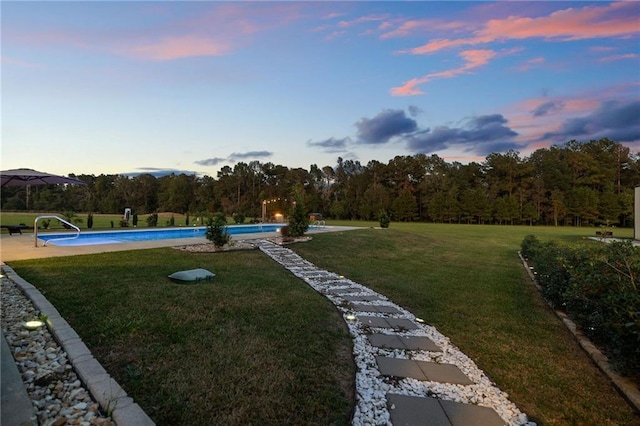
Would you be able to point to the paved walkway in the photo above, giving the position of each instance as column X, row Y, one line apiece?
column 386, row 329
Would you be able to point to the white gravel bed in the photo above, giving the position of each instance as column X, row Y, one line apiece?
column 58, row 395
column 371, row 386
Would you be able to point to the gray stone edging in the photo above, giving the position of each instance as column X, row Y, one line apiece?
column 105, row 390
column 624, row 385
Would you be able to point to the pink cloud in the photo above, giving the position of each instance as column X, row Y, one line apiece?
column 618, row 19
column 406, row 28
column 473, row 59
column 601, row 48
column 532, row 63
column 620, row 57
column 215, row 31
column 532, row 126
column 361, row 20
column 177, row 47
column 19, row 63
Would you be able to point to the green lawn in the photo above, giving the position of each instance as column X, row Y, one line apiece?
column 468, row 281
column 259, row 346
column 255, row 346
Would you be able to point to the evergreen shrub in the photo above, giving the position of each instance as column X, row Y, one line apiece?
column 298, row 220
column 384, row 218
column 152, row 220
column 598, row 286
column 217, row 230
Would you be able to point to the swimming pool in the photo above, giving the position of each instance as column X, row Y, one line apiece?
column 129, row 236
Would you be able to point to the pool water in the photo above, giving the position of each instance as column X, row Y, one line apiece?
column 129, row 236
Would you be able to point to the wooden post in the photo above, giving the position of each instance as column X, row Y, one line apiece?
column 636, row 214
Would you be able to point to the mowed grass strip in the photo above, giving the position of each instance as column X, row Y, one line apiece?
column 254, row 346
column 468, row 281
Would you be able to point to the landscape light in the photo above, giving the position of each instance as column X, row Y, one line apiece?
column 420, row 320
column 33, row 324
column 350, row 317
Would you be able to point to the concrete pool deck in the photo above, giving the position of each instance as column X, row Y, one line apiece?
column 22, row 246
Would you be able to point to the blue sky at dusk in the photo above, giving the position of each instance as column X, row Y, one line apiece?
column 131, row 87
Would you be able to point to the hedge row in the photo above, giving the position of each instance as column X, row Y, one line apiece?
column 598, row 286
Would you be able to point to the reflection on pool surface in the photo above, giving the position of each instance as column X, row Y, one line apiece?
column 129, row 236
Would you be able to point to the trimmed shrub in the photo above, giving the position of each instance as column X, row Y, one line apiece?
column 598, row 286
column 529, row 246
column 217, row 230
column 152, row 220
column 298, row 220
column 90, row 220
column 238, row 218
column 384, row 218
column 134, row 219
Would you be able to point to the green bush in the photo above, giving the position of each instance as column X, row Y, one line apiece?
column 238, row 218
column 134, row 219
column 598, row 286
column 384, row 218
column 217, row 230
column 90, row 220
column 529, row 246
column 298, row 220
column 152, row 220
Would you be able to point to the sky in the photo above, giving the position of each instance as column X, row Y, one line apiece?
column 156, row 86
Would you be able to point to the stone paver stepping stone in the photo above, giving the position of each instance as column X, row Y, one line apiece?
column 422, row 370
column 444, row 373
column 391, row 341
column 373, row 321
column 388, row 309
column 365, row 298
column 415, row 343
column 400, row 368
column 413, row 411
column 363, row 308
column 412, row 343
column 382, row 309
column 395, row 323
column 401, row 323
column 467, row 414
column 345, row 290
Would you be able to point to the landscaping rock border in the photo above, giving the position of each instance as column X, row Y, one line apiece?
column 66, row 384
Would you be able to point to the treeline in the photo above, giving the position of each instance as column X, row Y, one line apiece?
column 578, row 183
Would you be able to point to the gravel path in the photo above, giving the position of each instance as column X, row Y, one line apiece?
column 58, row 396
